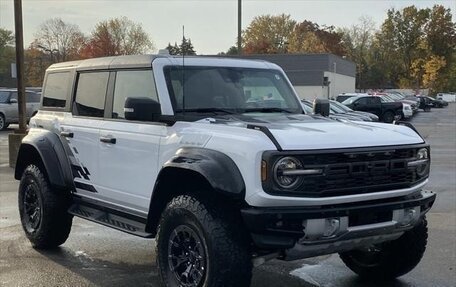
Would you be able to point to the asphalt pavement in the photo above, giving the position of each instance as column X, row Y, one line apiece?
column 98, row 256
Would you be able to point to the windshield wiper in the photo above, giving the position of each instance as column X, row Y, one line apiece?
column 206, row 110
column 267, row 110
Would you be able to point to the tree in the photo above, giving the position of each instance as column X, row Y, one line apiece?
column 309, row 37
column 440, row 31
column 118, row 36
column 63, row 41
column 186, row 48
column 268, row 34
column 173, row 50
column 7, row 56
column 358, row 41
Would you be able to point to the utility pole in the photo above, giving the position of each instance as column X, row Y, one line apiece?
column 20, row 65
column 239, row 41
column 15, row 139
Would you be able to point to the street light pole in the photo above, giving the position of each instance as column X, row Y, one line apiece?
column 239, row 40
column 20, row 65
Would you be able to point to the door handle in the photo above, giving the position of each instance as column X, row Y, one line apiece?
column 67, row 134
column 108, row 140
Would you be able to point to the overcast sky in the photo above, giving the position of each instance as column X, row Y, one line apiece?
column 211, row 24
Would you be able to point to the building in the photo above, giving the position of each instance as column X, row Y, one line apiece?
column 315, row 75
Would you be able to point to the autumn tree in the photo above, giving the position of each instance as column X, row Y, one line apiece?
column 268, row 34
column 118, row 36
column 61, row 40
column 309, row 37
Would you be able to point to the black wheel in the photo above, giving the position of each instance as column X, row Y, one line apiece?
column 389, row 260
column 3, row 124
column 201, row 243
column 43, row 212
column 388, row 117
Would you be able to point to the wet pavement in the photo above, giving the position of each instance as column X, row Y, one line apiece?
column 98, row 256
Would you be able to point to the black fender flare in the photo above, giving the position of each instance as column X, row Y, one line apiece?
column 47, row 146
column 217, row 168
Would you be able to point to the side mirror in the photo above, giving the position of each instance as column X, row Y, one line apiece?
column 321, row 107
column 13, row 101
column 142, row 109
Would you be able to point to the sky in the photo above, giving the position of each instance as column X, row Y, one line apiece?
column 210, row 24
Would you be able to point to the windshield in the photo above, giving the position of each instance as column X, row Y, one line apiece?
column 341, row 106
column 350, row 100
column 4, row 97
column 229, row 90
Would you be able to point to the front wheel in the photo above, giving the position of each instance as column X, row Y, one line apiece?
column 389, row 260
column 201, row 243
column 3, row 124
column 43, row 212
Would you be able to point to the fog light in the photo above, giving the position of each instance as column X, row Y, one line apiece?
column 409, row 216
column 332, row 226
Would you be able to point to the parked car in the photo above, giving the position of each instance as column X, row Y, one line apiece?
column 386, row 111
column 399, row 98
column 334, row 114
column 448, row 97
column 216, row 161
column 342, row 97
column 9, row 113
column 436, row 103
column 407, row 110
column 373, row 117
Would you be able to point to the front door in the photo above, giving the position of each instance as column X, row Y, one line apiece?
column 129, row 150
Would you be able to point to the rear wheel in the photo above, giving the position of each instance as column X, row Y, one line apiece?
column 201, row 243
column 3, row 124
column 43, row 212
column 389, row 260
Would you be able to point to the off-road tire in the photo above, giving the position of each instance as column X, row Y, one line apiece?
column 388, row 117
column 226, row 244
column 396, row 257
column 55, row 222
column 3, row 124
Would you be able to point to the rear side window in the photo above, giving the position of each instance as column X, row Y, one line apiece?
column 134, row 84
column 55, row 90
column 91, row 94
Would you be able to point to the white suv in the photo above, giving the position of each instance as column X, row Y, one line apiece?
column 215, row 159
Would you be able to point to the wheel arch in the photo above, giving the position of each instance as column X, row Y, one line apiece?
column 195, row 171
column 45, row 149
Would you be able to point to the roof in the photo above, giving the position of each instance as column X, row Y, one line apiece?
column 138, row 61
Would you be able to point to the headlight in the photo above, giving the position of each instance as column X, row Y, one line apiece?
column 421, row 163
column 281, row 169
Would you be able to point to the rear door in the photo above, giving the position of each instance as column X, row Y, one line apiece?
column 81, row 131
column 129, row 151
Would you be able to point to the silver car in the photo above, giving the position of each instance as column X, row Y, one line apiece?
column 9, row 109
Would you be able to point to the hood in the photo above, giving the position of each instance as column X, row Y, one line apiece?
column 298, row 132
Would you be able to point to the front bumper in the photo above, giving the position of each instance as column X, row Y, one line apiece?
column 379, row 220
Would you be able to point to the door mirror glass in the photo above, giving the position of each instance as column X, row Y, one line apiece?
column 142, row 109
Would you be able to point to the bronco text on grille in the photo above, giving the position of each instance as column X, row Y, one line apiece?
column 352, row 171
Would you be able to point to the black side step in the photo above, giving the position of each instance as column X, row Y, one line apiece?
column 111, row 218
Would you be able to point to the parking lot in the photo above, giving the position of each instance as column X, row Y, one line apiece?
column 98, row 256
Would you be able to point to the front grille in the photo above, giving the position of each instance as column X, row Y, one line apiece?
column 354, row 172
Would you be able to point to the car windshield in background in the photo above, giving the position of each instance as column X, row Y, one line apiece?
column 350, row 100
column 226, row 90
column 341, row 106
column 4, row 96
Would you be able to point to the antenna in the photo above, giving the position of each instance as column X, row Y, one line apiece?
column 183, row 69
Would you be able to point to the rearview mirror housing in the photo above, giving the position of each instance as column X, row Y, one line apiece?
column 321, row 107
column 142, row 109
